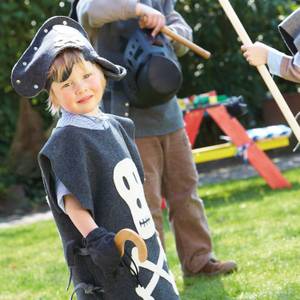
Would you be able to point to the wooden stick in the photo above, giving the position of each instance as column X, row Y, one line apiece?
column 129, row 235
column 176, row 37
column 236, row 23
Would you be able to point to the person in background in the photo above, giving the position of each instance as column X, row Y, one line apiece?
column 160, row 135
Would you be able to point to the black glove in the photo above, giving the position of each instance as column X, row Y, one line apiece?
column 102, row 249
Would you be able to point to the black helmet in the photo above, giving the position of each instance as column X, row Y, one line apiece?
column 154, row 74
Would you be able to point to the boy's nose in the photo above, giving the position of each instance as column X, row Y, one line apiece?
column 80, row 88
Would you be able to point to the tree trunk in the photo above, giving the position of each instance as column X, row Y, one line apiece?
column 27, row 142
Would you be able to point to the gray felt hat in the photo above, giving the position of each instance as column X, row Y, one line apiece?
column 29, row 75
column 290, row 31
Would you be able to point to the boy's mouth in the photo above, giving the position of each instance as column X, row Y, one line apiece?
column 84, row 99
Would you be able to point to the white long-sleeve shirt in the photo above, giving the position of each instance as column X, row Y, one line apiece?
column 282, row 65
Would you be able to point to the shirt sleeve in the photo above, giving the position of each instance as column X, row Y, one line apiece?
column 274, row 61
column 290, row 68
column 176, row 23
column 96, row 13
column 61, row 191
column 284, row 66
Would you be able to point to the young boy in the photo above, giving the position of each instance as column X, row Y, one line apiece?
column 287, row 67
column 91, row 169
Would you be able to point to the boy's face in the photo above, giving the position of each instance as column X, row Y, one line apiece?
column 81, row 93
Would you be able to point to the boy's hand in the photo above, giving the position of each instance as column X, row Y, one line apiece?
column 256, row 54
column 150, row 18
column 102, row 249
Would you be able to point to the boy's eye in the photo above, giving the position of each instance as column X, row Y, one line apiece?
column 66, row 85
column 85, row 76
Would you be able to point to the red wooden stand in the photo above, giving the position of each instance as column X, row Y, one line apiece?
column 239, row 137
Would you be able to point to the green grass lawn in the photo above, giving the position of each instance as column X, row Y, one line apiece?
column 252, row 224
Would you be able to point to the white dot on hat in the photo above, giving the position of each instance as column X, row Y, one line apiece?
column 46, row 30
column 35, row 86
column 24, row 63
column 35, row 48
column 65, row 22
column 18, row 81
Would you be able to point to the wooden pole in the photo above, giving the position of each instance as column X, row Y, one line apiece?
column 239, row 28
column 195, row 48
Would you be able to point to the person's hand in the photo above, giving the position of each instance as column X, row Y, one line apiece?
column 102, row 249
column 256, row 54
column 150, row 18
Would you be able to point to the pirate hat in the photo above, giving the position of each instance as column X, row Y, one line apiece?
column 29, row 75
column 290, row 31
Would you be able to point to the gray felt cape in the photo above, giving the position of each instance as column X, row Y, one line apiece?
column 103, row 170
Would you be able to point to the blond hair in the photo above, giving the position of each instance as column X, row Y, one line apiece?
column 60, row 71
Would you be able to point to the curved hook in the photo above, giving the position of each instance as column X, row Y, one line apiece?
column 129, row 235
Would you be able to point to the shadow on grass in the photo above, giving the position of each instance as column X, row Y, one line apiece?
column 204, row 288
column 232, row 192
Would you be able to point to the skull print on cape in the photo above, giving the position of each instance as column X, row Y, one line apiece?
column 130, row 188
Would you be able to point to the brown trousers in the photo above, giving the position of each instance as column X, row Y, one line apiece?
column 171, row 173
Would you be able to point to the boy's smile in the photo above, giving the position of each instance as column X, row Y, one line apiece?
column 81, row 93
column 84, row 99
